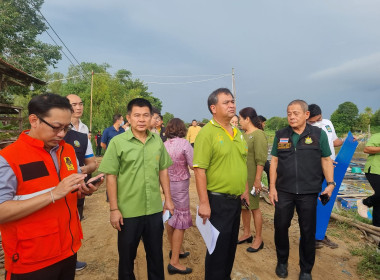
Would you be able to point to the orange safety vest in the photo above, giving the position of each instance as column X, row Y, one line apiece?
column 52, row 233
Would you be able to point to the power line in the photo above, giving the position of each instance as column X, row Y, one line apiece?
column 220, row 76
column 189, row 82
column 56, row 34
column 59, row 46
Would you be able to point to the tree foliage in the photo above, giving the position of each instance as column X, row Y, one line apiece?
column 111, row 93
column 375, row 120
column 276, row 123
column 345, row 118
column 20, row 24
column 167, row 117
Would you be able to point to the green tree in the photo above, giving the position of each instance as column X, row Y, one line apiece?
column 111, row 93
column 375, row 120
column 20, row 24
column 167, row 117
column 345, row 117
column 276, row 123
column 205, row 120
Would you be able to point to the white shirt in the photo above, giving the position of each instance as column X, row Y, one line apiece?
column 328, row 127
column 84, row 129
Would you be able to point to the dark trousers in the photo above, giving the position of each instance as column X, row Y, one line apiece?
column 80, row 205
column 150, row 228
column 62, row 270
column 306, row 207
column 225, row 217
column 266, row 170
column 98, row 150
column 374, row 200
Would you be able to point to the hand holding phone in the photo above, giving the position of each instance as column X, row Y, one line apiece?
column 95, row 181
column 324, row 198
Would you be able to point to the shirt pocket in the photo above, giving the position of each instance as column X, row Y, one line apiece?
column 38, row 241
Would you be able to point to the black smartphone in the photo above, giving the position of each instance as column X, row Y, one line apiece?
column 244, row 203
column 324, row 198
column 95, row 181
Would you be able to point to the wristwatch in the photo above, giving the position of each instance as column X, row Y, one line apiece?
column 331, row 183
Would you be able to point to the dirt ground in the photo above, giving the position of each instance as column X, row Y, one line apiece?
column 99, row 249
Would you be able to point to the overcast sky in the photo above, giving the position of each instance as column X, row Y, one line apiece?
column 325, row 52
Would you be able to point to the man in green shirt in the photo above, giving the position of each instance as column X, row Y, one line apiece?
column 372, row 172
column 136, row 163
column 220, row 169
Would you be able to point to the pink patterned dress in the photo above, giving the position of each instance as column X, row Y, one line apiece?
column 181, row 154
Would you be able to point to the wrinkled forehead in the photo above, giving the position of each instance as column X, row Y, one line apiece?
column 295, row 108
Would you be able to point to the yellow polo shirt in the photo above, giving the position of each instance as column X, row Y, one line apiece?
column 224, row 158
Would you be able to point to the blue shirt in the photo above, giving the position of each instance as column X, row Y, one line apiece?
column 109, row 133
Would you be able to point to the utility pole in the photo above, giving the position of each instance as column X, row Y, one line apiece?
column 233, row 84
column 92, row 85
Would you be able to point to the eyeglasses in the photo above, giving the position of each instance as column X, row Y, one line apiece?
column 55, row 128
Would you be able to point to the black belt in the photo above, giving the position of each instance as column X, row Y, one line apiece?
column 226, row 195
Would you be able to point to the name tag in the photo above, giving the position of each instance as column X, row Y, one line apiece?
column 281, row 146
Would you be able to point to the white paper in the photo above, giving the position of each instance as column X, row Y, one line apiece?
column 208, row 231
column 165, row 216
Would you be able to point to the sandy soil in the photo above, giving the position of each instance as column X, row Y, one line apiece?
column 99, row 249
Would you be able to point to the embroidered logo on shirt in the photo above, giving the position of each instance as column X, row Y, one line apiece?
column 281, row 146
column 308, row 140
column 328, row 128
column 76, row 143
column 69, row 163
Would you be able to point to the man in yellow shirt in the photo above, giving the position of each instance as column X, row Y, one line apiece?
column 193, row 132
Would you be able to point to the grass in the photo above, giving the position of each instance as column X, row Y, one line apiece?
column 369, row 266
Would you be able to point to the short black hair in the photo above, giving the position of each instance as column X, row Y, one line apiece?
column 262, row 118
column 213, row 97
column 116, row 117
column 40, row 105
column 315, row 110
column 139, row 102
column 193, row 120
column 155, row 111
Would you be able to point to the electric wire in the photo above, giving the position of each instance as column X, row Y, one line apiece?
column 56, row 34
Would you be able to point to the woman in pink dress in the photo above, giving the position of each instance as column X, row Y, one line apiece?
column 181, row 154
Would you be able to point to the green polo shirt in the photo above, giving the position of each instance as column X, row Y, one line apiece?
column 137, row 167
column 373, row 160
column 323, row 144
column 224, row 158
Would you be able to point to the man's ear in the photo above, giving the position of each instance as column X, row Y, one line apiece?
column 213, row 109
column 33, row 120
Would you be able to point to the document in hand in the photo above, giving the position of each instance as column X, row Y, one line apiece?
column 208, row 231
column 165, row 216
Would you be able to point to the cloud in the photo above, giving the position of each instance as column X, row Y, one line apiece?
column 363, row 70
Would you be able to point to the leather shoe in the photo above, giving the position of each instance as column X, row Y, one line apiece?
column 181, row 256
column 174, row 270
column 305, row 276
column 248, row 240
column 282, row 270
column 253, row 250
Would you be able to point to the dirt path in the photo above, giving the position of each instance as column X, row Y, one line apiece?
column 99, row 250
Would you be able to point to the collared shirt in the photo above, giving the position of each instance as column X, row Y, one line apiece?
column 373, row 160
column 81, row 127
column 224, row 158
column 8, row 179
column 328, row 127
column 137, row 167
column 323, row 144
column 84, row 129
column 192, row 133
column 109, row 133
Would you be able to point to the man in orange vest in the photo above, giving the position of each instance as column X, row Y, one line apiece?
column 40, row 183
